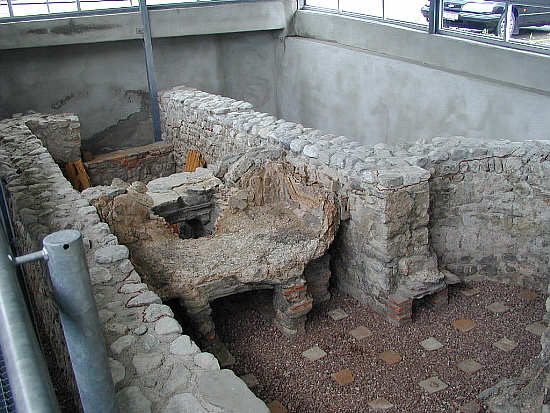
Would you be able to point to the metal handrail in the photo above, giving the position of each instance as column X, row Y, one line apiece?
column 28, row 375
column 172, row 4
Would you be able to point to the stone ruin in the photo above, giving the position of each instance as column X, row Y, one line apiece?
column 398, row 222
column 252, row 223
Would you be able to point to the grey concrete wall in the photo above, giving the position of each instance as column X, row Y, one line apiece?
column 94, row 66
column 106, row 82
column 380, row 83
column 186, row 20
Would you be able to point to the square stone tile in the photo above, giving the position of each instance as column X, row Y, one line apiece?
column 433, row 384
column 463, row 325
column 498, row 308
column 469, row 366
column 276, row 407
column 250, row 380
column 431, row 344
column 343, row 377
column 505, row 345
column 360, row 333
column 537, row 328
column 380, row 404
column 470, row 407
column 337, row 314
column 314, row 353
column 528, row 295
column 470, row 292
column 391, row 357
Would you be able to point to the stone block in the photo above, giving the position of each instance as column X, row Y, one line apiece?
column 314, row 353
column 379, row 405
column 185, row 402
column 391, row 357
column 537, row 328
column 183, row 346
column 497, row 307
column 505, row 344
column 132, row 399
column 463, row 325
column 145, row 363
column 250, row 380
column 337, row 314
column 433, row 385
column 431, row 344
column 360, row 333
column 469, row 366
column 108, row 255
column 224, row 390
column 276, row 407
column 343, row 377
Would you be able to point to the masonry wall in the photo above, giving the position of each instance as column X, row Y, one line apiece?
column 489, row 209
column 481, row 207
column 155, row 368
column 382, row 245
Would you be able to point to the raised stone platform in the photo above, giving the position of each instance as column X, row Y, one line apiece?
column 270, row 223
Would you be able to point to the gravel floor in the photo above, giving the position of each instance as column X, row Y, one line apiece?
column 243, row 323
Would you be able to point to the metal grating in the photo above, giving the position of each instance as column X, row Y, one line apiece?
column 7, row 404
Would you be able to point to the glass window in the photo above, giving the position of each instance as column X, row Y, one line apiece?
column 408, row 11
column 62, row 6
column 476, row 18
column 525, row 23
column 368, row 7
column 29, row 7
column 529, row 24
column 329, row 4
column 4, row 10
column 104, row 4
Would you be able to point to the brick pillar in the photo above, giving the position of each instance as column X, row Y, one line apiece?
column 292, row 302
column 399, row 309
column 439, row 299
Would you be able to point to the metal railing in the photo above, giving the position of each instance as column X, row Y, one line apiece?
column 25, row 364
column 27, row 372
column 17, row 10
column 435, row 21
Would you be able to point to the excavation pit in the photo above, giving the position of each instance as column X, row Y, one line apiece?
column 395, row 230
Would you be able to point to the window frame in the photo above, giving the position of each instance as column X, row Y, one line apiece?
column 435, row 27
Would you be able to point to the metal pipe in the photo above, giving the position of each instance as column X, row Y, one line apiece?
column 28, row 375
column 33, row 256
column 83, row 333
column 10, row 8
column 150, row 66
column 435, row 16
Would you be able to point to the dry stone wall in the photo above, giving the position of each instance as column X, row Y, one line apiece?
column 482, row 207
column 490, row 208
column 60, row 134
column 154, row 366
column 382, row 246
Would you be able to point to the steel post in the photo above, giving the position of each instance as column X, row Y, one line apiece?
column 27, row 371
column 78, row 313
column 150, row 66
column 435, row 16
